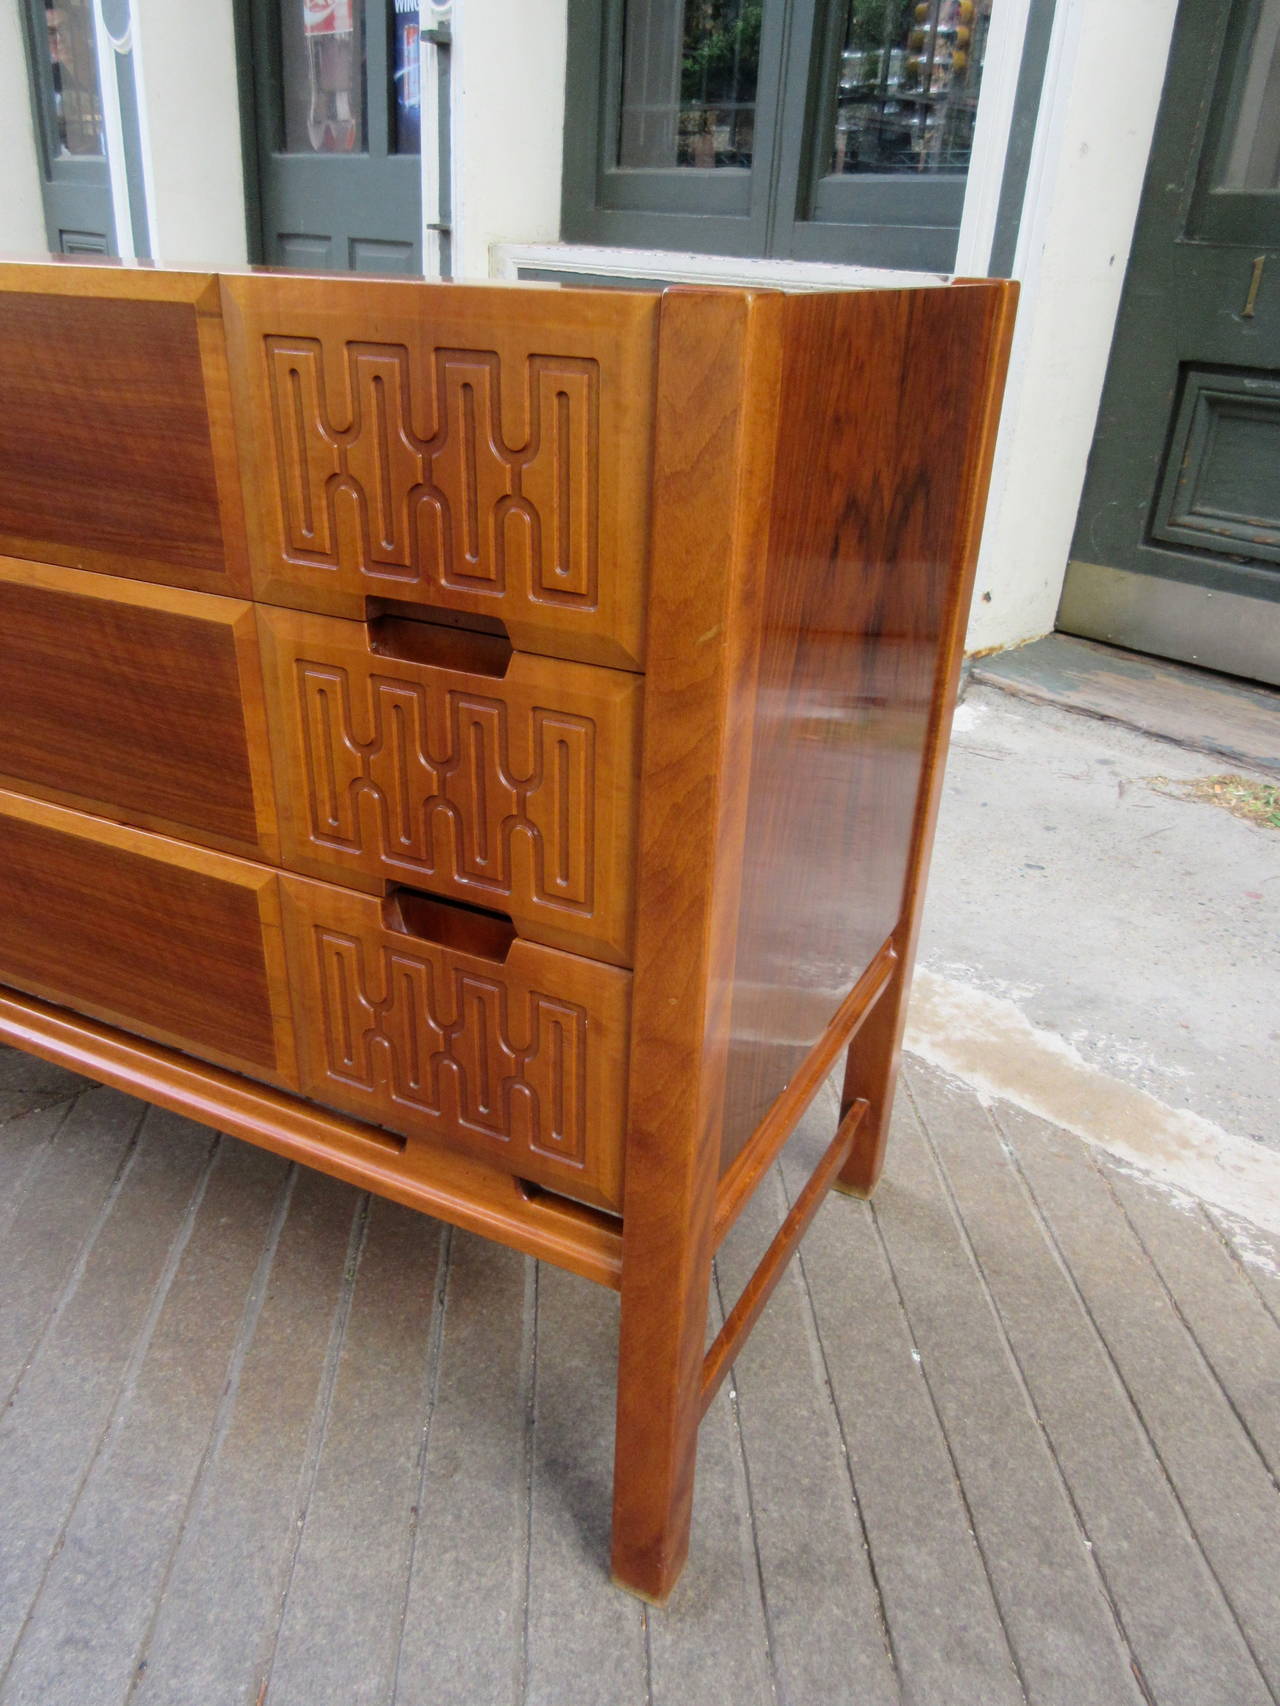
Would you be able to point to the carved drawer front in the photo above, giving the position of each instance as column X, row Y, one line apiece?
column 140, row 703
column 434, row 757
column 169, row 941
column 435, row 1021
column 116, row 451
column 483, row 450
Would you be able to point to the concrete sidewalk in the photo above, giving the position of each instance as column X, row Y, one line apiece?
column 1009, row 1434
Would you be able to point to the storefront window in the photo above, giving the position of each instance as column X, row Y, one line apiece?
column 689, row 79
column 908, row 85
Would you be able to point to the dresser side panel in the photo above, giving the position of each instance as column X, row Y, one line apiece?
column 884, row 423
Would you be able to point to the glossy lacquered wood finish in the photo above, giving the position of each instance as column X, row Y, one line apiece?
column 438, row 1181
column 139, row 702
column 883, row 416
column 115, row 434
column 412, row 753
column 474, row 450
column 433, row 1023
column 147, row 933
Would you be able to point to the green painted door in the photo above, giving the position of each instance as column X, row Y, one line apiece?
column 1177, row 546
column 70, row 127
column 336, row 99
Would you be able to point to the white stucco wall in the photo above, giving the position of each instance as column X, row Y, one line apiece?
column 508, row 116
column 1097, row 117
column 22, row 231
column 191, row 136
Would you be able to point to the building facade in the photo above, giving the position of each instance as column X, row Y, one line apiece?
column 779, row 141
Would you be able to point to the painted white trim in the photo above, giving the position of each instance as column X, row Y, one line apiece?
column 507, row 258
column 430, row 17
column 113, row 135
column 997, row 98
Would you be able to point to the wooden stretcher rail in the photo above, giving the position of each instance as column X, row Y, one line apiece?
column 464, row 1192
column 770, row 1136
column 759, row 1288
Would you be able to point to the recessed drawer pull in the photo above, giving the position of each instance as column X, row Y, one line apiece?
column 440, row 645
column 449, row 924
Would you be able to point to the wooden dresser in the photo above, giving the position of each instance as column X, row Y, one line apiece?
column 483, row 741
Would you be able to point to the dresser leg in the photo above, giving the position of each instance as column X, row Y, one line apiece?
column 660, row 1350
column 872, row 1072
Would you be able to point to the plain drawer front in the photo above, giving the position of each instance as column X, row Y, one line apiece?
column 142, row 703
column 142, row 932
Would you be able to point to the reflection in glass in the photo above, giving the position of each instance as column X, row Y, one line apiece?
column 73, row 65
column 689, row 83
column 322, row 62
column 406, row 78
column 1253, row 159
column 908, row 85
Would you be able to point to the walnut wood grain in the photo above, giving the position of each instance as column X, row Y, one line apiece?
column 438, row 1181
column 146, row 933
column 514, row 791
column 519, row 1060
column 475, row 449
column 872, row 1066
column 115, row 435
column 885, row 413
column 142, row 703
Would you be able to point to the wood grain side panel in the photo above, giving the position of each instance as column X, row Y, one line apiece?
column 514, row 792
column 147, row 934
column 135, row 701
column 115, row 449
column 885, row 411
column 521, row 1062
column 475, row 449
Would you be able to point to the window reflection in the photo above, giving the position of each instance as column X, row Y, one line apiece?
column 322, row 61
column 1253, row 160
column 73, row 65
column 908, row 85
column 689, row 79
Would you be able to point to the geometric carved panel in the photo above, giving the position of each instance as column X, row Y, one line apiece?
column 479, row 450
column 513, row 793
column 1220, row 490
column 520, row 1060
column 454, row 502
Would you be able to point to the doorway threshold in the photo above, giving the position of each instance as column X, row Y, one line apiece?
column 1238, row 721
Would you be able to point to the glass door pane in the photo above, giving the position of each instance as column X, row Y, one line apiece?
column 1253, row 149
column 322, row 62
column 406, row 79
column 73, row 74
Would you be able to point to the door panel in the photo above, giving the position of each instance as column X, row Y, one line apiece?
column 70, row 129
column 1177, row 547
column 335, row 93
